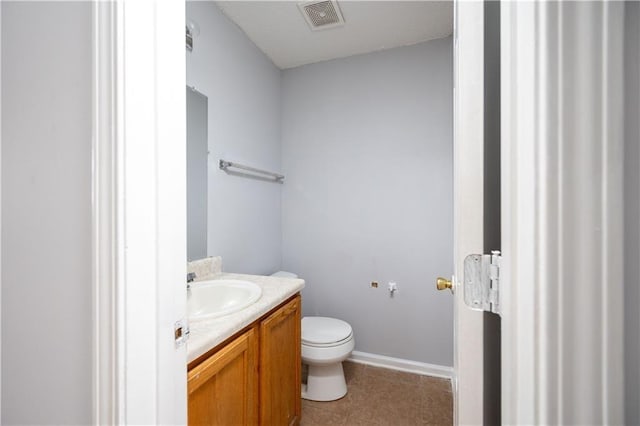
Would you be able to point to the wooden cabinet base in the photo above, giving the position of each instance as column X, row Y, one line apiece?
column 280, row 380
column 223, row 390
column 254, row 378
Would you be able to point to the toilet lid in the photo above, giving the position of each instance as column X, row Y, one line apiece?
column 323, row 330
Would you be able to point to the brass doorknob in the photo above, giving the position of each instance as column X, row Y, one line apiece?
column 443, row 284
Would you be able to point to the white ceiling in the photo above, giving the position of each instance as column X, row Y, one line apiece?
column 280, row 31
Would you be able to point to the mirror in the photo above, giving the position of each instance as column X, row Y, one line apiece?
column 197, row 188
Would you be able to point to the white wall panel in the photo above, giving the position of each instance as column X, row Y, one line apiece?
column 243, row 89
column 632, row 213
column 46, row 212
column 368, row 154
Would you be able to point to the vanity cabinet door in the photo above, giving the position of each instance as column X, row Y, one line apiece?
column 223, row 390
column 280, row 365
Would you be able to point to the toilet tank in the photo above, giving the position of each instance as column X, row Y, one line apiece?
column 284, row 274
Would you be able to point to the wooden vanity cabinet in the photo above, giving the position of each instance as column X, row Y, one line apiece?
column 223, row 390
column 280, row 380
column 255, row 378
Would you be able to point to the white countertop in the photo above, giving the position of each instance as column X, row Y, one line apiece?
column 206, row 334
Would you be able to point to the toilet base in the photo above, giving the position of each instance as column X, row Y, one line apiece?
column 325, row 382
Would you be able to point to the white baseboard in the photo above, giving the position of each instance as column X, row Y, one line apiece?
column 401, row 364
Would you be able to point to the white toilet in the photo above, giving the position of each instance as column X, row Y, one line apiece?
column 326, row 342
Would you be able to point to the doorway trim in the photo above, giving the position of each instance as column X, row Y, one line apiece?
column 139, row 215
column 105, row 218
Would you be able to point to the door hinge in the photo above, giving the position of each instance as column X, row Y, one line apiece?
column 482, row 281
column 181, row 332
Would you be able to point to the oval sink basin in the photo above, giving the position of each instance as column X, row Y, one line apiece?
column 217, row 298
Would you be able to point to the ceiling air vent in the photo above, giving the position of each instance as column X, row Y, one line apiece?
column 321, row 15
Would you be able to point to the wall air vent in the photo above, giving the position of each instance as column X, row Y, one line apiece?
column 321, row 15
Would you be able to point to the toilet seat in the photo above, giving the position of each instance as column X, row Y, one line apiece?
column 325, row 332
column 329, row 345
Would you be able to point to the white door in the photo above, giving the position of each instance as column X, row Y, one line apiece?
column 469, row 176
column 561, row 196
column 562, row 140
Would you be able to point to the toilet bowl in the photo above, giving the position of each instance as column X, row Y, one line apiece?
column 326, row 342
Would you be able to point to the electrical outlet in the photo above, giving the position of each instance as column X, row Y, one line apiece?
column 374, row 284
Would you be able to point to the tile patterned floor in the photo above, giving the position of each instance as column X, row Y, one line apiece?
column 379, row 396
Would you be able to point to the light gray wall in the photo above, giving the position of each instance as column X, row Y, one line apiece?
column 632, row 213
column 46, row 213
column 243, row 87
column 368, row 154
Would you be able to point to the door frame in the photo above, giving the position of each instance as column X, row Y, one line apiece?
column 139, row 219
column 139, row 223
column 105, row 219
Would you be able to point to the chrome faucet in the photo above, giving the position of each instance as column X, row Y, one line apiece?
column 190, row 277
